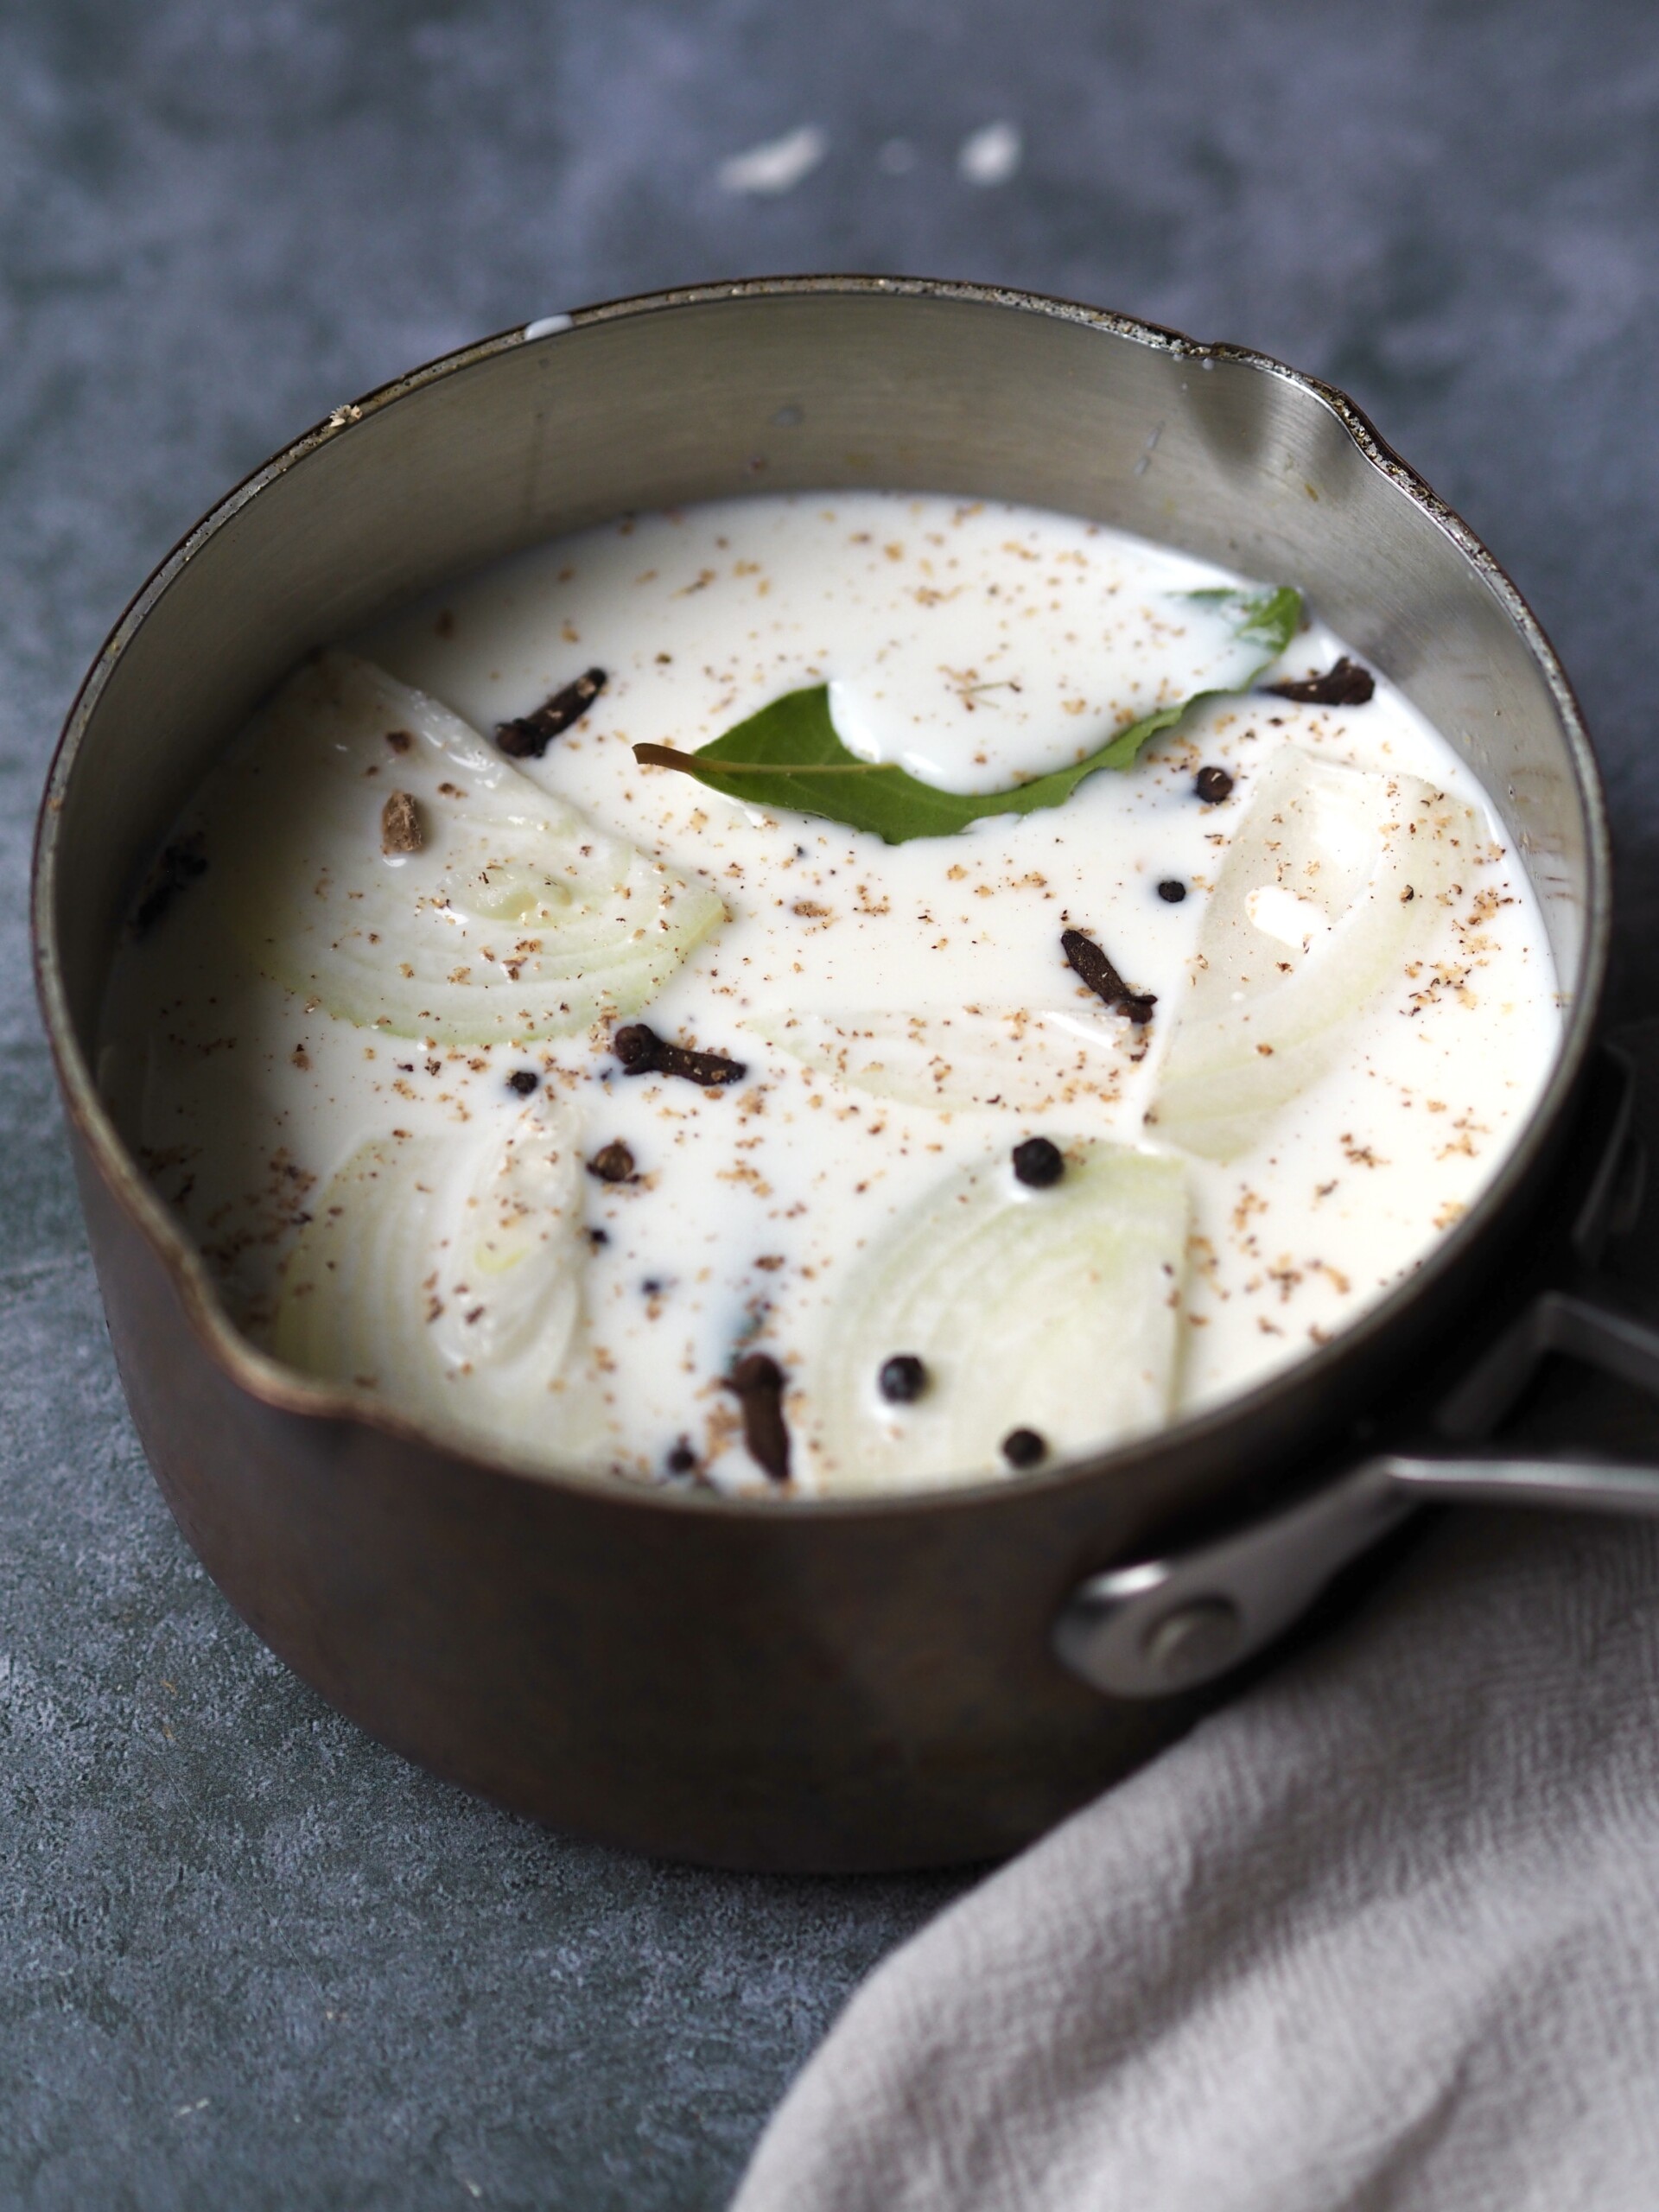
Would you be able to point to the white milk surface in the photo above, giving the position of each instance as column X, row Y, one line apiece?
column 977, row 645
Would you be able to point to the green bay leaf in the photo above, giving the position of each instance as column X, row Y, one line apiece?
column 788, row 755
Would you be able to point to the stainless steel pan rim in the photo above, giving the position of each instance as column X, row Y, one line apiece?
column 282, row 1388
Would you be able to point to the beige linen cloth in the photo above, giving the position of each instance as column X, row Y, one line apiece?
column 1382, row 1935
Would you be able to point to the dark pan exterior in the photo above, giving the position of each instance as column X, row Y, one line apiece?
column 835, row 1685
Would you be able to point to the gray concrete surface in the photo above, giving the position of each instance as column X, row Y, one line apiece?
column 247, row 1958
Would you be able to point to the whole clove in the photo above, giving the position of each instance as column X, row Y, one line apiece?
column 1212, row 785
column 1090, row 965
column 180, row 863
column 759, row 1382
column 1346, row 684
column 642, row 1051
column 613, row 1162
column 529, row 736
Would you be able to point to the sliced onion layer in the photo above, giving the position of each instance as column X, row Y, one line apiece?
column 513, row 915
column 1056, row 1311
column 446, row 1275
column 1033, row 1062
column 1338, row 879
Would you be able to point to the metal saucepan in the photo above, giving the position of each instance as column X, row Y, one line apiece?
column 841, row 1684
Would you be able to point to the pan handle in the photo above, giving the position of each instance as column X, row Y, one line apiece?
column 1173, row 1624
column 1167, row 1624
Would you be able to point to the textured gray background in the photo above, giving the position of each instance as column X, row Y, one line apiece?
column 246, row 1958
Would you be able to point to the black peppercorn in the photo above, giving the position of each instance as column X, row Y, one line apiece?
column 1172, row 891
column 682, row 1459
column 1038, row 1163
column 613, row 1162
column 1212, row 784
column 523, row 1081
column 903, row 1379
column 1023, row 1448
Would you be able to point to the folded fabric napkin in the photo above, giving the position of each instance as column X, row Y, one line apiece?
column 1384, row 1932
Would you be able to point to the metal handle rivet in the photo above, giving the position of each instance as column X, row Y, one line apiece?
column 1194, row 1641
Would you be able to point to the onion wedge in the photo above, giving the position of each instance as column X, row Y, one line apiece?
column 1055, row 1310
column 373, row 852
column 448, row 1277
column 1336, row 879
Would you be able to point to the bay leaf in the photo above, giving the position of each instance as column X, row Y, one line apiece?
column 789, row 756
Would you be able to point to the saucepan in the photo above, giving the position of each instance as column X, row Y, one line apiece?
column 841, row 1684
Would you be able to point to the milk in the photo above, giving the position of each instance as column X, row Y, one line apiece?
column 976, row 645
